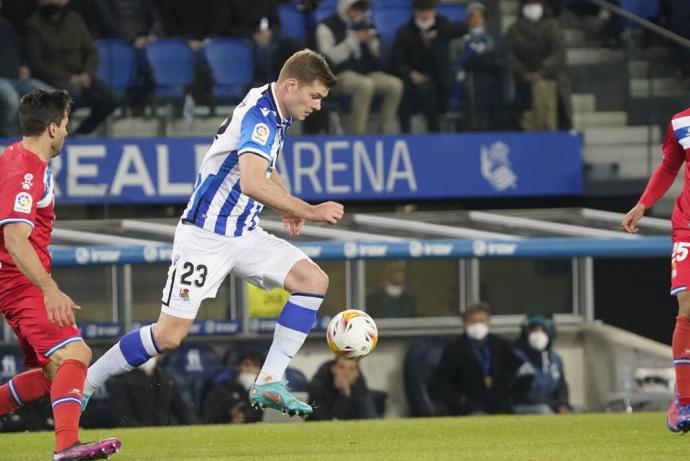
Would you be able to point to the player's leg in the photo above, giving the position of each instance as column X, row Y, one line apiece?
column 678, row 418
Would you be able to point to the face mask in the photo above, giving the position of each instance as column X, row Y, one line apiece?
column 538, row 340
column 148, row 366
column 246, row 379
column 49, row 11
column 477, row 331
column 479, row 30
column 426, row 24
column 394, row 291
column 533, row 11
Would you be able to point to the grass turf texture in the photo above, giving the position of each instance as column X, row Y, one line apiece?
column 607, row 437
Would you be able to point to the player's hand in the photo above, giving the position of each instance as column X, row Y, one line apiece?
column 330, row 212
column 60, row 307
column 418, row 77
column 293, row 225
column 631, row 219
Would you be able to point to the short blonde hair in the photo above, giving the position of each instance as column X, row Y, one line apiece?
column 305, row 66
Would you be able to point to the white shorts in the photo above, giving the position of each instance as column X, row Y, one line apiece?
column 201, row 260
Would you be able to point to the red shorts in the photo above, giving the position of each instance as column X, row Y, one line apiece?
column 24, row 310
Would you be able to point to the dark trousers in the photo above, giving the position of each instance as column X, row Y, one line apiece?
column 97, row 97
column 422, row 97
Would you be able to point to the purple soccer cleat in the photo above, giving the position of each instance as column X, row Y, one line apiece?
column 101, row 449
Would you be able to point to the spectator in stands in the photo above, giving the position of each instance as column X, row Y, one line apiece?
column 536, row 53
column 679, row 19
column 137, row 21
column 195, row 22
column 349, row 41
column 482, row 72
column 479, row 373
column 340, row 392
column 228, row 401
column 391, row 299
column 421, row 58
column 62, row 53
column 15, row 78
column 148, row 396
column 548, row 392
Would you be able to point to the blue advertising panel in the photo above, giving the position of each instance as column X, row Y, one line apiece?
column 386, row 167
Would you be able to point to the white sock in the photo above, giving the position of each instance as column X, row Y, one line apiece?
column 133, row 349
column 294, row 324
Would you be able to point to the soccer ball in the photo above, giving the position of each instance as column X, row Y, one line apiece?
column 352, row 334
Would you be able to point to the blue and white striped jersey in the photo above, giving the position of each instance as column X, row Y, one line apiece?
column 255, row 127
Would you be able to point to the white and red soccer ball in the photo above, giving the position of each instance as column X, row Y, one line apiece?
column 352, row 334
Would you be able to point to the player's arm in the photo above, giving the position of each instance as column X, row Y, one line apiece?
column 660, row 182
column 256, row 185
column 291, row 224
column 59, row 306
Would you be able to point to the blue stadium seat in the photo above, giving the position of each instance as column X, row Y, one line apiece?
column 116, row 64
column 453, row 11
column 421, row 360
column 232, row 66
column 394, row 4
column 292, row 23
column 193, row 366
column 389, row 20
column 647, row 9
column 172, row 63
column 11, row 362
column 324, row 10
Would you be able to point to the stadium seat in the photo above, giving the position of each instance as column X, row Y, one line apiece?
column 232, row 67
column 116, row 64
column 647, row 9
column 324, row 10
column 172, row 64
column 421, row 360
column 11, row 362
column 453, row 11
column 388, row 21
column 382, row 4
column 193, row 366
column 292, row 23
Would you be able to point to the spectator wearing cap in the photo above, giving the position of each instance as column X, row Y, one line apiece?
column 420, row 56
column 350, row 43
column 548, row 393
column 479, row 373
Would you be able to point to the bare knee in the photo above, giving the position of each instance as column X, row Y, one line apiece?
column 684, row 304
column 77, row 350
column 168, row 337
column 307, row 277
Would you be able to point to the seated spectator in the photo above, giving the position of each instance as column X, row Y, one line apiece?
column 340, row 391
column 228, row 401
column 536, row 54
column 479, row 373
column 548, row 392
column 482, row 70
column 136, row 21
column 349, row 41
column 148, row 396
column 391, row 299
column 61, row 52
column 421, row 58
column 15, row 78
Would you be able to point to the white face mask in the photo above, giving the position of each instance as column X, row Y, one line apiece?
column 538, row 340
column 426, row 24
column 394, row 291
column 533, row 11
column 477, row 331
column 246, row 379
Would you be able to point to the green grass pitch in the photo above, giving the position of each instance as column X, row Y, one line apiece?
column 606, row 437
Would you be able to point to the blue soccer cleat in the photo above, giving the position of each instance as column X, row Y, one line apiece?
column 276, row 395
column 678, row 417
column 85, row 401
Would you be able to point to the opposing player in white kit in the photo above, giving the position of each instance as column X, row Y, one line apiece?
column 219, row 234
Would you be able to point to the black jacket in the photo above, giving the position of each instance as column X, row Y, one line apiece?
column 410, row 52
column 245, row 17
column 330, row 403
column 11, row 57
column 128, row 19
column 459, row 383
column 222, row 398
column 138, row 399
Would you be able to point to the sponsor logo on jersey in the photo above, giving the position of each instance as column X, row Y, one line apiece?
column 260, row 133
column 265, row 111
column 23, row 202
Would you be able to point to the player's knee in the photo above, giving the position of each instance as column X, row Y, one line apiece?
column 169, row 339
column 77, row 350
column 316, row 280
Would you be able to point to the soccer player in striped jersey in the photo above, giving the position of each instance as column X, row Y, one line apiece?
column 676, row 149
column 219, row 234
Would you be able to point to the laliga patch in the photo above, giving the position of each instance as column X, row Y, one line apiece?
column 23, row 202
column 260, row 133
